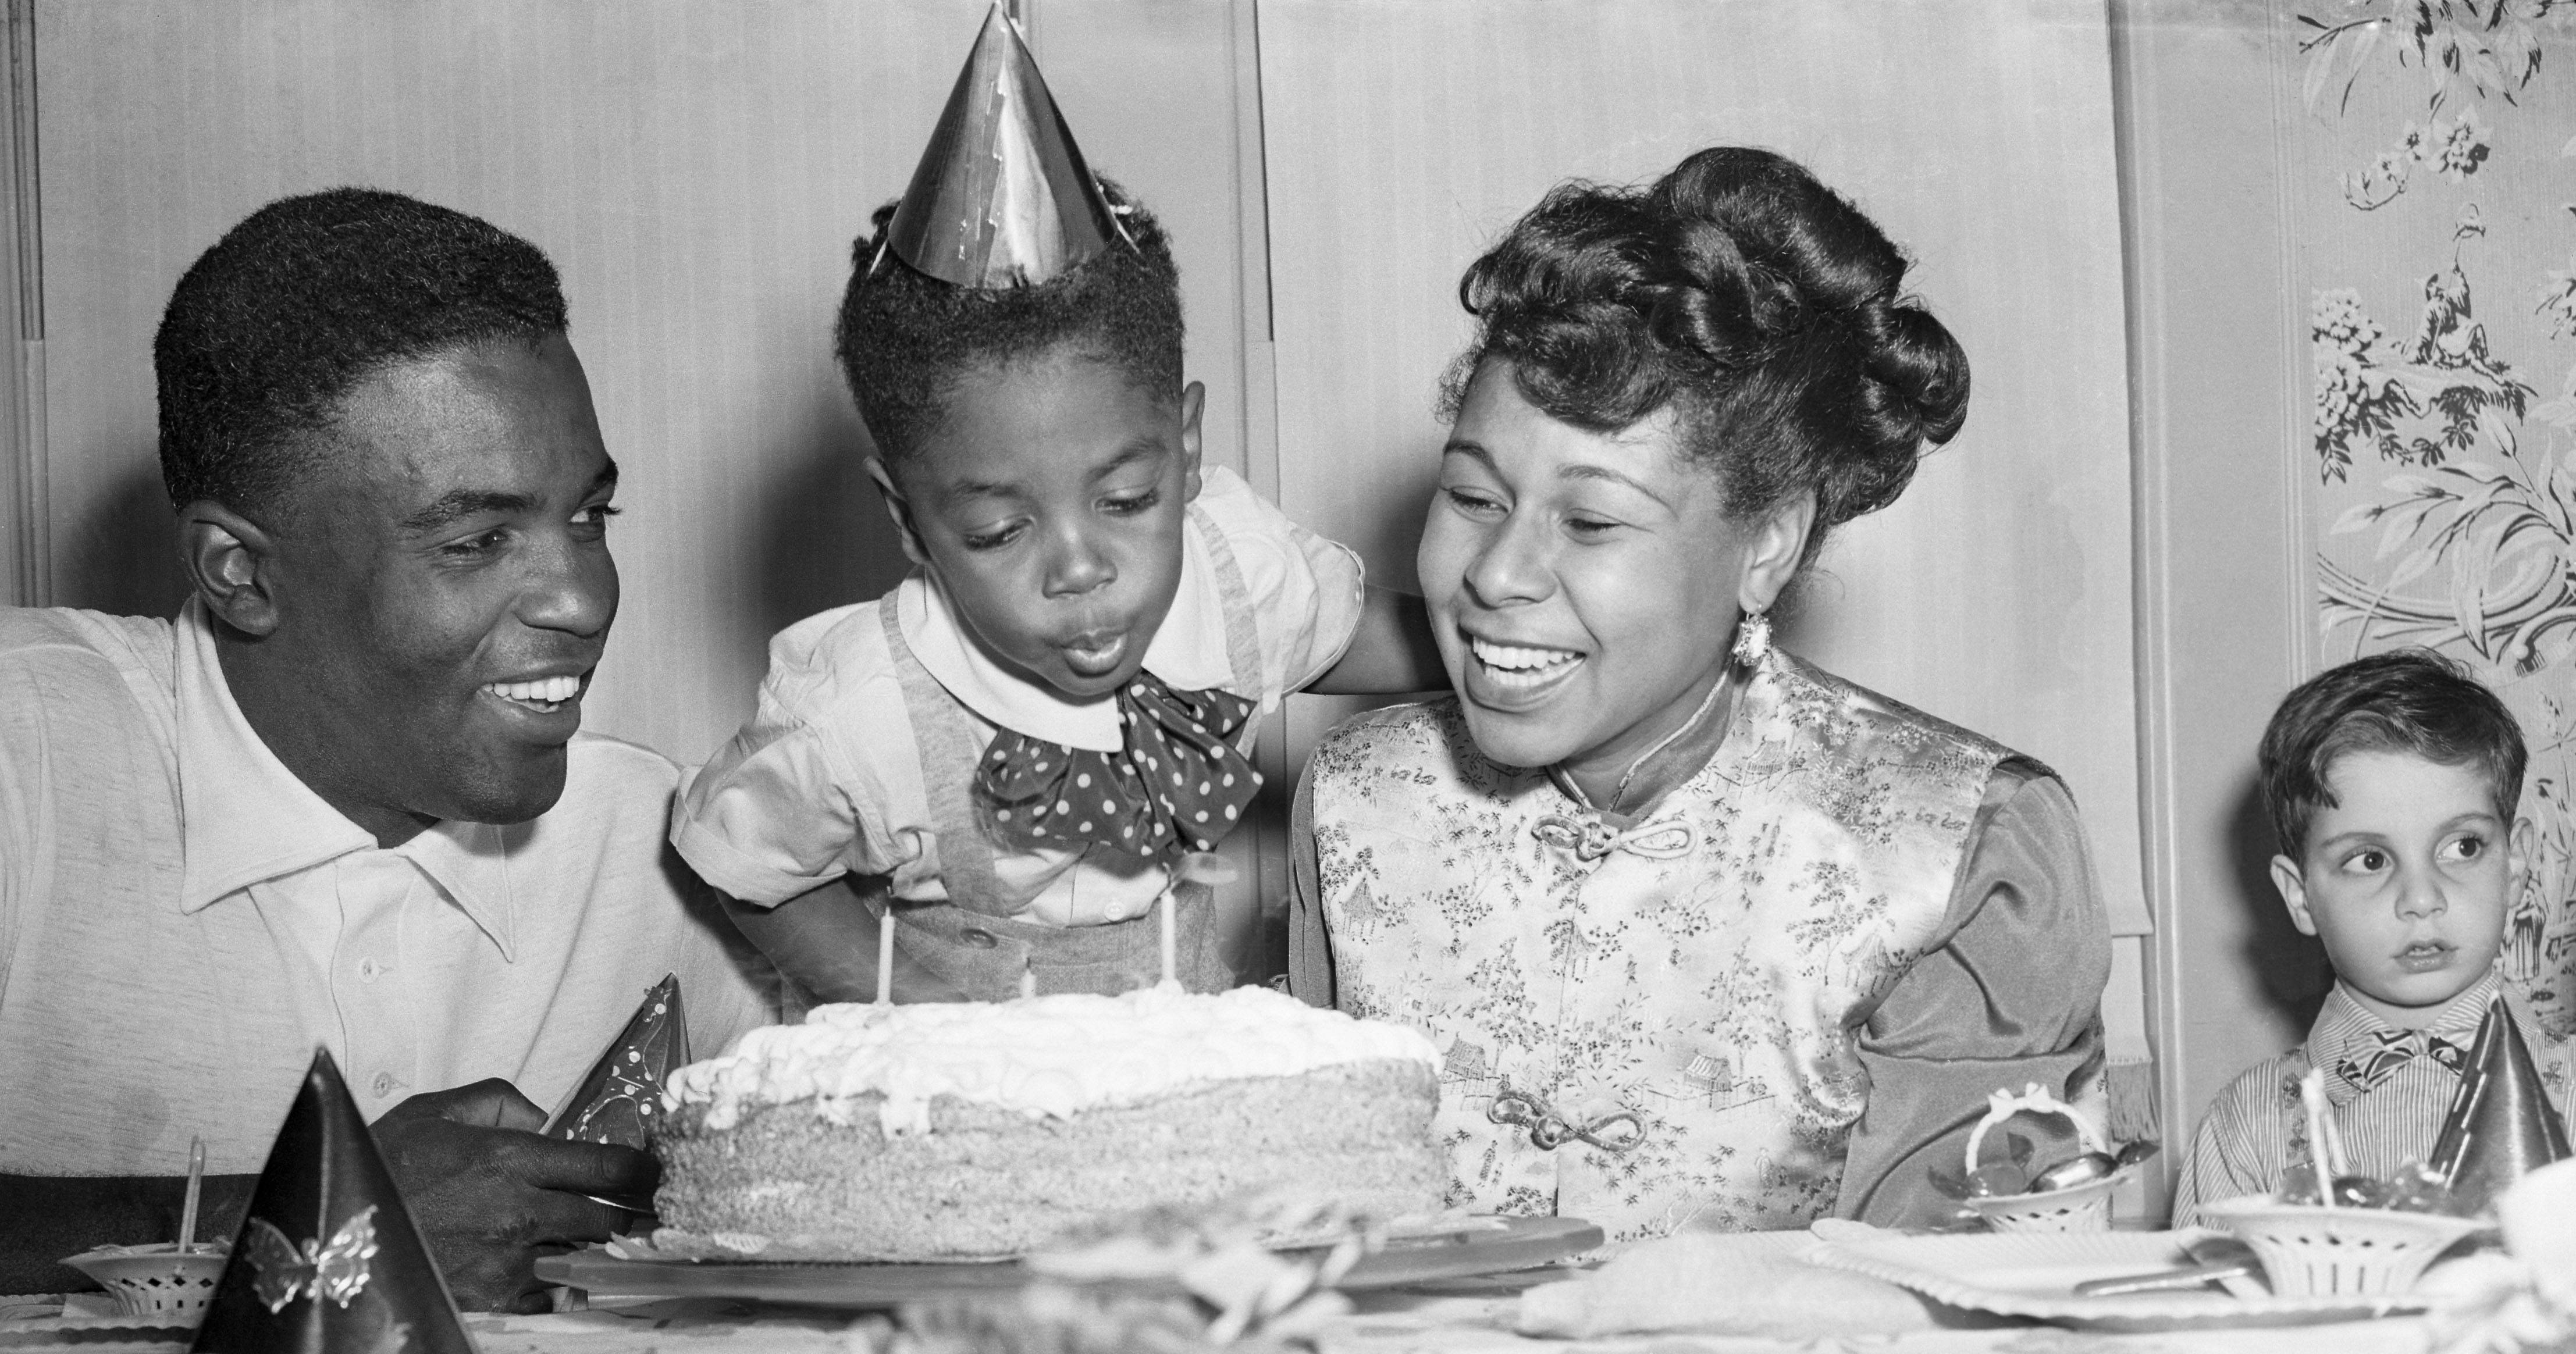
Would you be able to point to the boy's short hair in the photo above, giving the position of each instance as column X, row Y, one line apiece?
column 905, row 339
column 2406, row 700
column 309, row 295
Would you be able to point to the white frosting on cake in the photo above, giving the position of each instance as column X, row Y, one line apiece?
column 1042, row 1056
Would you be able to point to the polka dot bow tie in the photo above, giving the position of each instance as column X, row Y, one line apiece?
column 2378, row 1057
column 1175, row 785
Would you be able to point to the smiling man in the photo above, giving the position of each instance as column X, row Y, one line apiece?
column 343, row 799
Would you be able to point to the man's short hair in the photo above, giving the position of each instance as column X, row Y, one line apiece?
column 905, row 340
column 268, row 330
column 2406, row 700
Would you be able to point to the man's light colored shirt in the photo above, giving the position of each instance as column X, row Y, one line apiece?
column 182, row 920
column 825, row 779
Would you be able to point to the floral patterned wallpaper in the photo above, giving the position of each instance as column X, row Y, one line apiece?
column 2434, row 194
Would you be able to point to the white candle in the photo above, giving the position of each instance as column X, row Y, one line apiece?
column 1171, row 944
column 885, row 954
column 2312, row 1096
column 1028, row 982
column 196, row 1188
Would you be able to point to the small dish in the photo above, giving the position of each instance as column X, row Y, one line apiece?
column 158, row 1280
column 2310, row 1250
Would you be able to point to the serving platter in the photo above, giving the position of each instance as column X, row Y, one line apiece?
column 1492, row 1246
column 2034, row 1275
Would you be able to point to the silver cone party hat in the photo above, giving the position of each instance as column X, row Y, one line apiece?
column 2500, row 1125
column 1002, row 197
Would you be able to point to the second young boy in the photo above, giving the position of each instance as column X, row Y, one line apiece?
column 2391, row 784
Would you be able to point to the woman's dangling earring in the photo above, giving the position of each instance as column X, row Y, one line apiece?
column 1753, row 638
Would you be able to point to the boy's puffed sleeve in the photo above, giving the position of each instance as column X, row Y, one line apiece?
column 2013, row 996
column 1306, row 591
column 802, row 795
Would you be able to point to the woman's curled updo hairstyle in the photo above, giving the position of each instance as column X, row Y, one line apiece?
column 1756, row 302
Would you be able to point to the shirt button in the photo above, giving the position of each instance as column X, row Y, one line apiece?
column 369, row 969
column 982, row 940
column 384, row 1083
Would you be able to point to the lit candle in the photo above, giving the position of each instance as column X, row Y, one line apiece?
column 1171, row 942
column 885, row 953
column 1028, row 982
column 196, row 1188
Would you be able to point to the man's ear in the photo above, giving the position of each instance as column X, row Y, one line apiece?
column 1779, row 542
column 1193, row 404
column 230, row 561
column 900, row 509
column 2293, row 888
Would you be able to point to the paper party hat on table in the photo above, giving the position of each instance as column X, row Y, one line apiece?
column 2501, row 1125
column 1002, row 197
column 328, row 1259
column 622, row 1097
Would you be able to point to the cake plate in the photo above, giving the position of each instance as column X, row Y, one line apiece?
column 1497, row 1245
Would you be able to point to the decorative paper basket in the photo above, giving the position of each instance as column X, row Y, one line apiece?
column 2077, row 1208
column 2309, row 1249
column 159, row 1281
column 2082, row 1208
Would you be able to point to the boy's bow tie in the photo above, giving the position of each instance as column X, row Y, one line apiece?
column 1177, row 784
column 2376, row 1057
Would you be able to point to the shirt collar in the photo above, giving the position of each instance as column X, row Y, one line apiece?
column 2343, row 1022
column 245, row 819
column 1188, row 652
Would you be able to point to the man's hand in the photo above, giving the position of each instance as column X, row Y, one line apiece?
column 491, row 1194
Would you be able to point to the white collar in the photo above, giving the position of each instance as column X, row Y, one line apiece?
column 246, row 819
column 1189, row 653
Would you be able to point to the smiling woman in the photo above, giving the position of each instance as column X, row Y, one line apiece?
column 1708, row 938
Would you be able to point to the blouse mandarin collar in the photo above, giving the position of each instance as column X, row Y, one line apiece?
column 1678, row 763
column 1188, row 653
column 245, row 819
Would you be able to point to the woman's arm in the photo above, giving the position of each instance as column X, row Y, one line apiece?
column 1310, row 945
column 2013, row 997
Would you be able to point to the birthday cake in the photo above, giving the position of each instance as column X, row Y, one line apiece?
column 970, row 1130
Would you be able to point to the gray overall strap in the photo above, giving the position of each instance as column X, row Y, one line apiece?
column 975, row 942
column 1242, row 640
column 947, row 746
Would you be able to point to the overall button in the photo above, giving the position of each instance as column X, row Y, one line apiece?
column 982, row 940
column 385, row 1083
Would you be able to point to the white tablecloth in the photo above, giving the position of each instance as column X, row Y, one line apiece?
column 1396, row 1323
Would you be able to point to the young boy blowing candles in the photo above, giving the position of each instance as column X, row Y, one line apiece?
column 2391, row 783
column 1018, row 745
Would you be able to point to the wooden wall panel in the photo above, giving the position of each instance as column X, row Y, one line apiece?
column 2223, row 616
